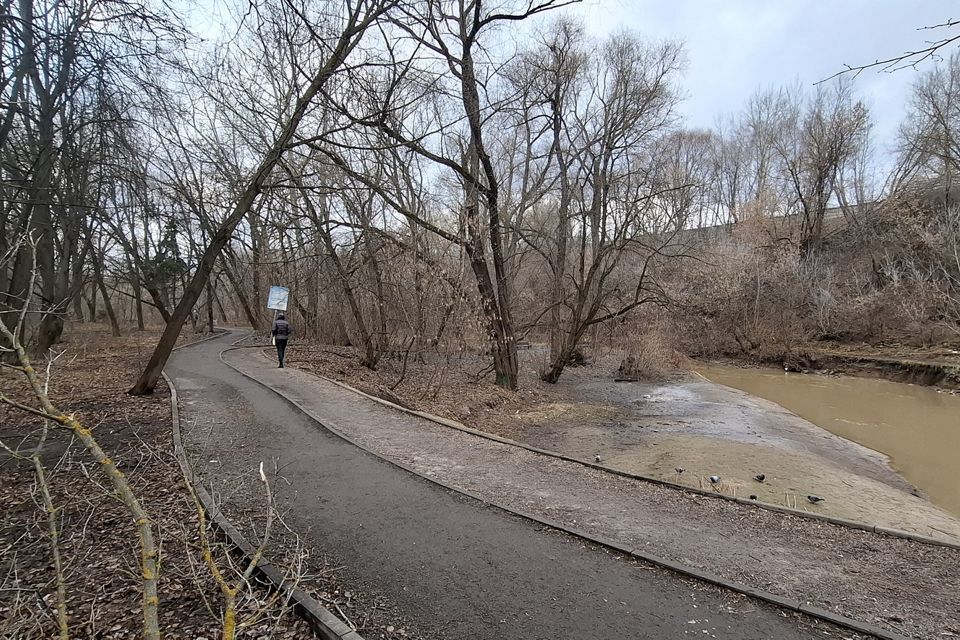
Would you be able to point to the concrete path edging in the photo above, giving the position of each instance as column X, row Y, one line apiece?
column 326, row 625
column 843, row 522
column 771, row 598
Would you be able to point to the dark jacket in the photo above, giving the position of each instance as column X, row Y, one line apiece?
column 281, row 329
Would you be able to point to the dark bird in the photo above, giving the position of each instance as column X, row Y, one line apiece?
column 753, row 496
column 714, row 479
column 678, row 469
column 596, row 458
column 814, row 499
column 759, row 477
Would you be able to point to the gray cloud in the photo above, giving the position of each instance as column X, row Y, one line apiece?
column 735, row 47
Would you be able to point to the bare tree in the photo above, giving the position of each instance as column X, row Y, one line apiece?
column 930, row 135
column 438, row 60
column 609, row 194
column 305, row 87
column 551, row 79
column 813, row 144
column 68, row 60
column 909, row 59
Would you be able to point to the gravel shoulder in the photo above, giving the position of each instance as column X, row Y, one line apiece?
column 908, row 587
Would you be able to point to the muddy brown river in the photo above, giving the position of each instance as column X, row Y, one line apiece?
column 917, row 427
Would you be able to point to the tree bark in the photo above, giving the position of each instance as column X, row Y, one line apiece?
column 496, row 296
column 111, row 313
column 137, row 296
column 253, row 319
column 92, row 303
column 560, row 257
column 102, row 286
column 209, row 307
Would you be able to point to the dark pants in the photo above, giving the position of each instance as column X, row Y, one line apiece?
column 281, row 349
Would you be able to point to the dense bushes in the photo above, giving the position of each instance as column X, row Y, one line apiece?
column 885, row 274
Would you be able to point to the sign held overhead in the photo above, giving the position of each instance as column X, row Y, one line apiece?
column 277, row 298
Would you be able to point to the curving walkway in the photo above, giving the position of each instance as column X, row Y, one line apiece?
column 458, row 567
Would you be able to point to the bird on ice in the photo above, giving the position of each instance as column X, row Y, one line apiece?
column 814, row 499
column 759, row 477
column 678, row 469
column 714, row 479
column 597, row 459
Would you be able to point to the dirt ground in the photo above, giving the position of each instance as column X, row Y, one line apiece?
column 98, row 541
column 457, row 386
column 654, row 429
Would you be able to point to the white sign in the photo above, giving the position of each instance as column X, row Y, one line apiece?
column 277, row 298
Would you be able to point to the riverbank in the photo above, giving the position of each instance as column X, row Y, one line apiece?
column 916, row 426
column 655, row 429
column 937, row 366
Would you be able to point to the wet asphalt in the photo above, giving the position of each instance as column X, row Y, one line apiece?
column 456, row 567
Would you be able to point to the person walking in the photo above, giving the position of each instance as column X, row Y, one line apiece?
column 281, row 333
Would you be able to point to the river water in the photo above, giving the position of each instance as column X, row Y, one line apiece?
column 917, row 427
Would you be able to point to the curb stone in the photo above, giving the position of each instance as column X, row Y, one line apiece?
column 692, row 572
column 217, row 333
column 326, row 625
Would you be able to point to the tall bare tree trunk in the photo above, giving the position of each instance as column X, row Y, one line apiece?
column 137, row 300
column 209, row 306
column 563, row 224
column 111, row 313
column 255, row 320
column 92, row 303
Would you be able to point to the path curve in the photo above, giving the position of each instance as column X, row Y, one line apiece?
column 898, row 587
column 456, row 566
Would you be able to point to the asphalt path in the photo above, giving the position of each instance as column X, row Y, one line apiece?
column 459, row 568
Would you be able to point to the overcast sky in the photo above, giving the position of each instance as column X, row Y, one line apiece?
column 735, row 47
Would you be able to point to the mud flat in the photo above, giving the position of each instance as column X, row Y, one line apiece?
column 709, row 429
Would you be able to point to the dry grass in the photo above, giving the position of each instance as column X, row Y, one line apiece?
column 460, row 386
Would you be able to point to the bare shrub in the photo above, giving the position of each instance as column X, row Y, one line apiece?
column 652, row 356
